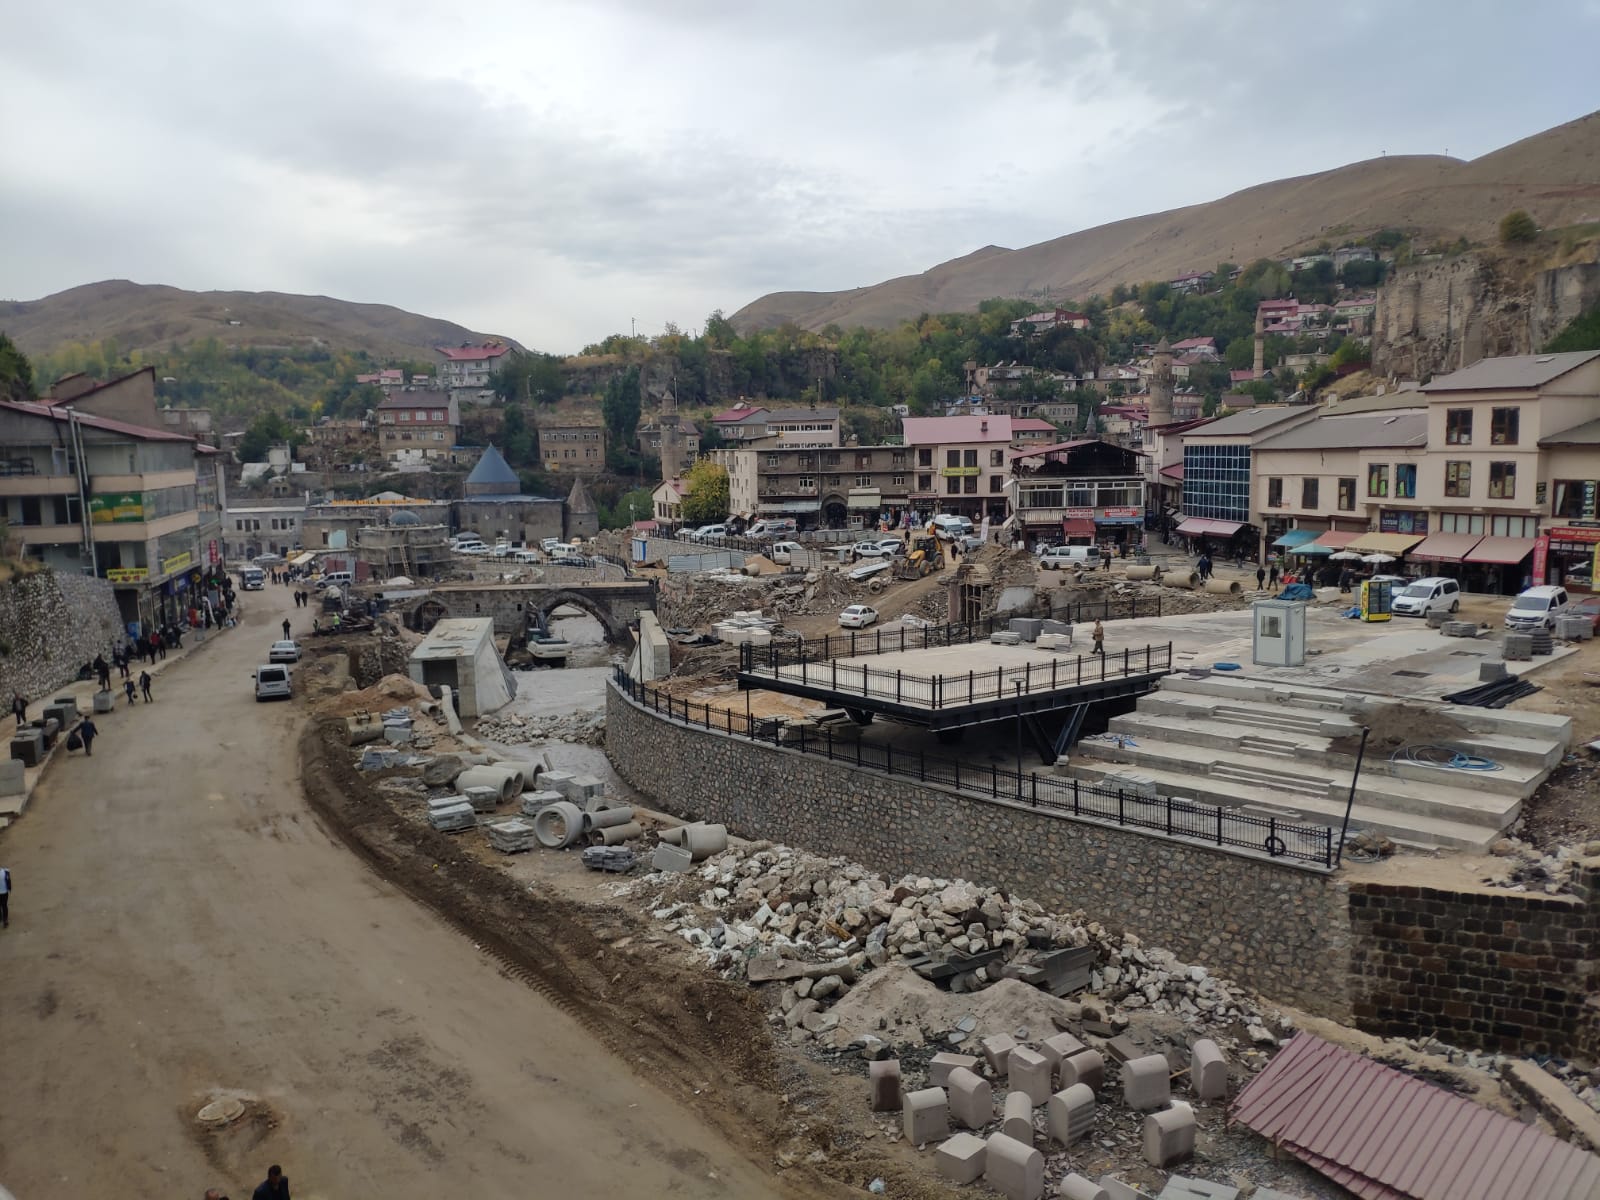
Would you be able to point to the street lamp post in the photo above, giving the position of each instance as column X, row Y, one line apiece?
column 1018, row 685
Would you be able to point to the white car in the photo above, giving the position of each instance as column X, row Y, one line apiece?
column 284, row 652
column 1057, row 557
column 708, row 533
column 1537, row 608
column 1420, row 597
column 868, row 550
column 549, row 544
column 474, row 548
column 783, row 553
column 858, row 616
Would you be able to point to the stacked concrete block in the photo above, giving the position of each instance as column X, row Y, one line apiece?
column 926, row 1116
column 452, row 814
column 1069, row 1114
column 1169, row 1136
column 885, row 1078
column 1060, row 628
column 1028, row 628
column 511, row 837
column 940, row 1066
column 961, row 1159
column 1076, row 1187
column 482, row 799
column 1208, row 1071
column 971, row 1099
column 1146, row 1082
column 12, row 777
column 1029, row 1072
column 1436, row 618
column 1018, row 1119
column 1087, row 1067
column 1181, row 1188
column 1574, row 629
column 1014, row 1169
column 615, row 859
column 1461, row 629
column 532, row 802
column 1541, row 643
column 580, row 789
column 1518, row 647
column 1488, row 672
column 671, row 858
column 997, row 1050
column 1006, row 638
column 1059, row 1047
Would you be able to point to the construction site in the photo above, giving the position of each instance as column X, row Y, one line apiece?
column 991, row 901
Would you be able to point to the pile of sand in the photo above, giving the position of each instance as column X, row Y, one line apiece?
column 910, row 1003
column 391, row 691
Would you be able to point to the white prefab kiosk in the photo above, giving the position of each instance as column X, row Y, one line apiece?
column 1278, row 633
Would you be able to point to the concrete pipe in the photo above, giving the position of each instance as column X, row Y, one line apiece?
column 702, row 841
column 359, row 734
column 1188, row 580
column 615, row 835
column 559, row 826
column 523, row 771
column 1144, row 572
column 507, row 783
column 605, row 818
column 1223, row 587
column 673, row 836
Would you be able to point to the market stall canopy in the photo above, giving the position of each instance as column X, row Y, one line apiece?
column 1446, row 547
column 1327, row 543
column 1295, row 537
column 1206, row 527
column 1501, row 550
column 1385, row 543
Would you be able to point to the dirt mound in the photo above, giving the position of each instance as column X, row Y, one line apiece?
column 391, row 691
column 903, row 999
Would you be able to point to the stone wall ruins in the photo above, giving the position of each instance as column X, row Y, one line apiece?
column 1276, row 928
column 50, row 625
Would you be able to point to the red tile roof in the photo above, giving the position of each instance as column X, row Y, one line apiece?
column 1031, row 425
column 414, row 400
column 935, row 431
column 473, row 353
column 732, row 416
column 1385, row 1135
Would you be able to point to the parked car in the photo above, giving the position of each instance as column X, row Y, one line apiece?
column 770, row 527
column 477, row 549
column 1423, row 596
column 1537, row 608
column 1057, row 557
column 502, row 550
column 892, row 547
column 526, row 556
column 272, row 682
column 783, row 553
column 1588, row 607
column 858, row 616
column 549, row 544
column 950, row 527
column 868, row 550
column 284, row 652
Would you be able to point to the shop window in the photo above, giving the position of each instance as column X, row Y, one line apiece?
column 1503, row 426
column 1274, row 493
column 1458, row 479
column 1502, row 481
column 1575, row 499
column 1378, row 479
column 1347, row 495
column 997, row 483
column 1458, row 427
column 1308, row 493
column 969, row 458
column 1405, row 481
column 924, row 483
column 952, row 485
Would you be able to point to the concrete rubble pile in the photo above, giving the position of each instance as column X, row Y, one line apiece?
column 831, row 920
column 581, row 728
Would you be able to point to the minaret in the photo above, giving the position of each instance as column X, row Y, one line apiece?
column 1161, row 386
column 1261, row 344
column 671, row 438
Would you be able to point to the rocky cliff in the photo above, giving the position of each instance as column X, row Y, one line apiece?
column 50, row 625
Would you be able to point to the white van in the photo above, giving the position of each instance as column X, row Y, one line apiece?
column 564, row 552
column 272, row 682
column 783, row 553
column 772, row 527
column 1057, row 557
column 526, row 556
column 949, row 528
column 1537, row 608
column 252, row 579
column 340, row 579
column 1423, row 596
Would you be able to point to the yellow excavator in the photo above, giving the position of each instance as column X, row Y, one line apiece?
column 925, row 557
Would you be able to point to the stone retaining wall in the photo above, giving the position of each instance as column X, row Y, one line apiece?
column 50, row 625
column 1494, row 969
column 1281, row 930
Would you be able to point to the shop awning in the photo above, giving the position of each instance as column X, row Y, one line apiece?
column 864, row 499
column 787, row 506
column 1386, row 543
column 1295, row 537
column 1077, row 527
column 300, row 560
column 1503, row 550
column 1334, row 539
column 1446, row 547
column 1206, row 527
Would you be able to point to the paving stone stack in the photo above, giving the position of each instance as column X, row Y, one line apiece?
column 451, row 814
column 533, row 803
column 511, row 837
column 482, row 799
column 1005, row 639
column 1541, row 642
column 1461, row 629
column 1574, row 629
column 616, row 859
column 1518, row 647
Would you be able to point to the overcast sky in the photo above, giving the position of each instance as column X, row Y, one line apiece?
column 550, row 170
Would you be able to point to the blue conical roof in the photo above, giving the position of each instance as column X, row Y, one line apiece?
column 492, row 469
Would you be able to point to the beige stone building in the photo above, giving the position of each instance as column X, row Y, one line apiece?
column 569, row 446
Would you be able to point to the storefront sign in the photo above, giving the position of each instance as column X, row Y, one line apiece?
column 117, row 508
column 176, row 563
column 951, row 472
column 1124, row 512
column 127, row 574
column 1399, row 520
column 212, row 554
column 1078, row 514
column 1541, row 557
column 1572, row 533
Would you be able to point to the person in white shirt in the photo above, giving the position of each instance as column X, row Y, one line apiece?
column 5, row 897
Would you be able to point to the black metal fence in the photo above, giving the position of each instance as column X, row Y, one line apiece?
column 1165, row 815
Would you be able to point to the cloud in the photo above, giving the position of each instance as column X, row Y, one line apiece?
column 550, row 169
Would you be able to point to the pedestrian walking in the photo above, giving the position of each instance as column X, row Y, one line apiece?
column 1099, row 640
column 5, row 897
column 127, row 686
column 286, row 629
column 274, row 1187
column 144, row 686
column 1272, row 577
column 87, row 731
column 19, row 709
column 160, row 644
column 102, row 671
column 1345, row 578
column 1261, row 579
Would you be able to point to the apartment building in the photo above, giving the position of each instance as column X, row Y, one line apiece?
column 569, row 446
column 136, row 505
column 960, row 465
column 418, row 422
column 800, row 428
column 1218, row 469
column 469, row 366
column 1082, row 492
column 254, row 529
column 851, row 487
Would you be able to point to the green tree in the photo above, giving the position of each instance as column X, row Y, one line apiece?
column 16, row 372
column 1351, row 353
column 267, row 430
column 1581, row 333
column 531, row 378
column 619, row 405
column 1517, row 226
column 706, row 500
column 517, row 436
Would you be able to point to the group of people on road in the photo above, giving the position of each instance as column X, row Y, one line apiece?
column 1267, row 576
column 302, row 598
column 274, row 1187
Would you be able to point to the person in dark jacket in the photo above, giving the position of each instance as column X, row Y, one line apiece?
column 274, row 1187
column 1261, row 579
column 144, row 686
column 19, row 709
column 102, row 672
column 88, row 732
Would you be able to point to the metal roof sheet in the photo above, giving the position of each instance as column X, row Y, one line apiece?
column 1385, row 1135
column 1511, row 372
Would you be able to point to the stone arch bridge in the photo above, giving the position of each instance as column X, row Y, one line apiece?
column 614, row 605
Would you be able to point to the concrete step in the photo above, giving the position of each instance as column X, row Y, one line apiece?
column 1245, row 689
column 1271, row 747
column 1408, row 829
column 1444, row 799
column 1279, row 719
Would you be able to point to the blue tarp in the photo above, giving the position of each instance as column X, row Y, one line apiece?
column 1295, row 537
column 1297, row 591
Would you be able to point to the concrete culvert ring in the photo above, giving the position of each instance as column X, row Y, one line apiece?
column 222, row 1111
column 559, row 825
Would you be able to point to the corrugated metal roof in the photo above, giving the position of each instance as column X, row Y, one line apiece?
column 1513, row 371
column 1387, row 1136
column 1369, row 431
column 1244, row 425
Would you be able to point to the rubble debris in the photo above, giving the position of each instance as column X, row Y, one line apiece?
column 615, row 859
column 508, row 729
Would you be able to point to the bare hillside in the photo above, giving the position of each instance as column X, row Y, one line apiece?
column 1555, row 175
column 153, row 316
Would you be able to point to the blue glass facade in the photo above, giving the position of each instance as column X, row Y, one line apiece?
column 1216, row 481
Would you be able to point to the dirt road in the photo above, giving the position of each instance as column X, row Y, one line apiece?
column 182, row 925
